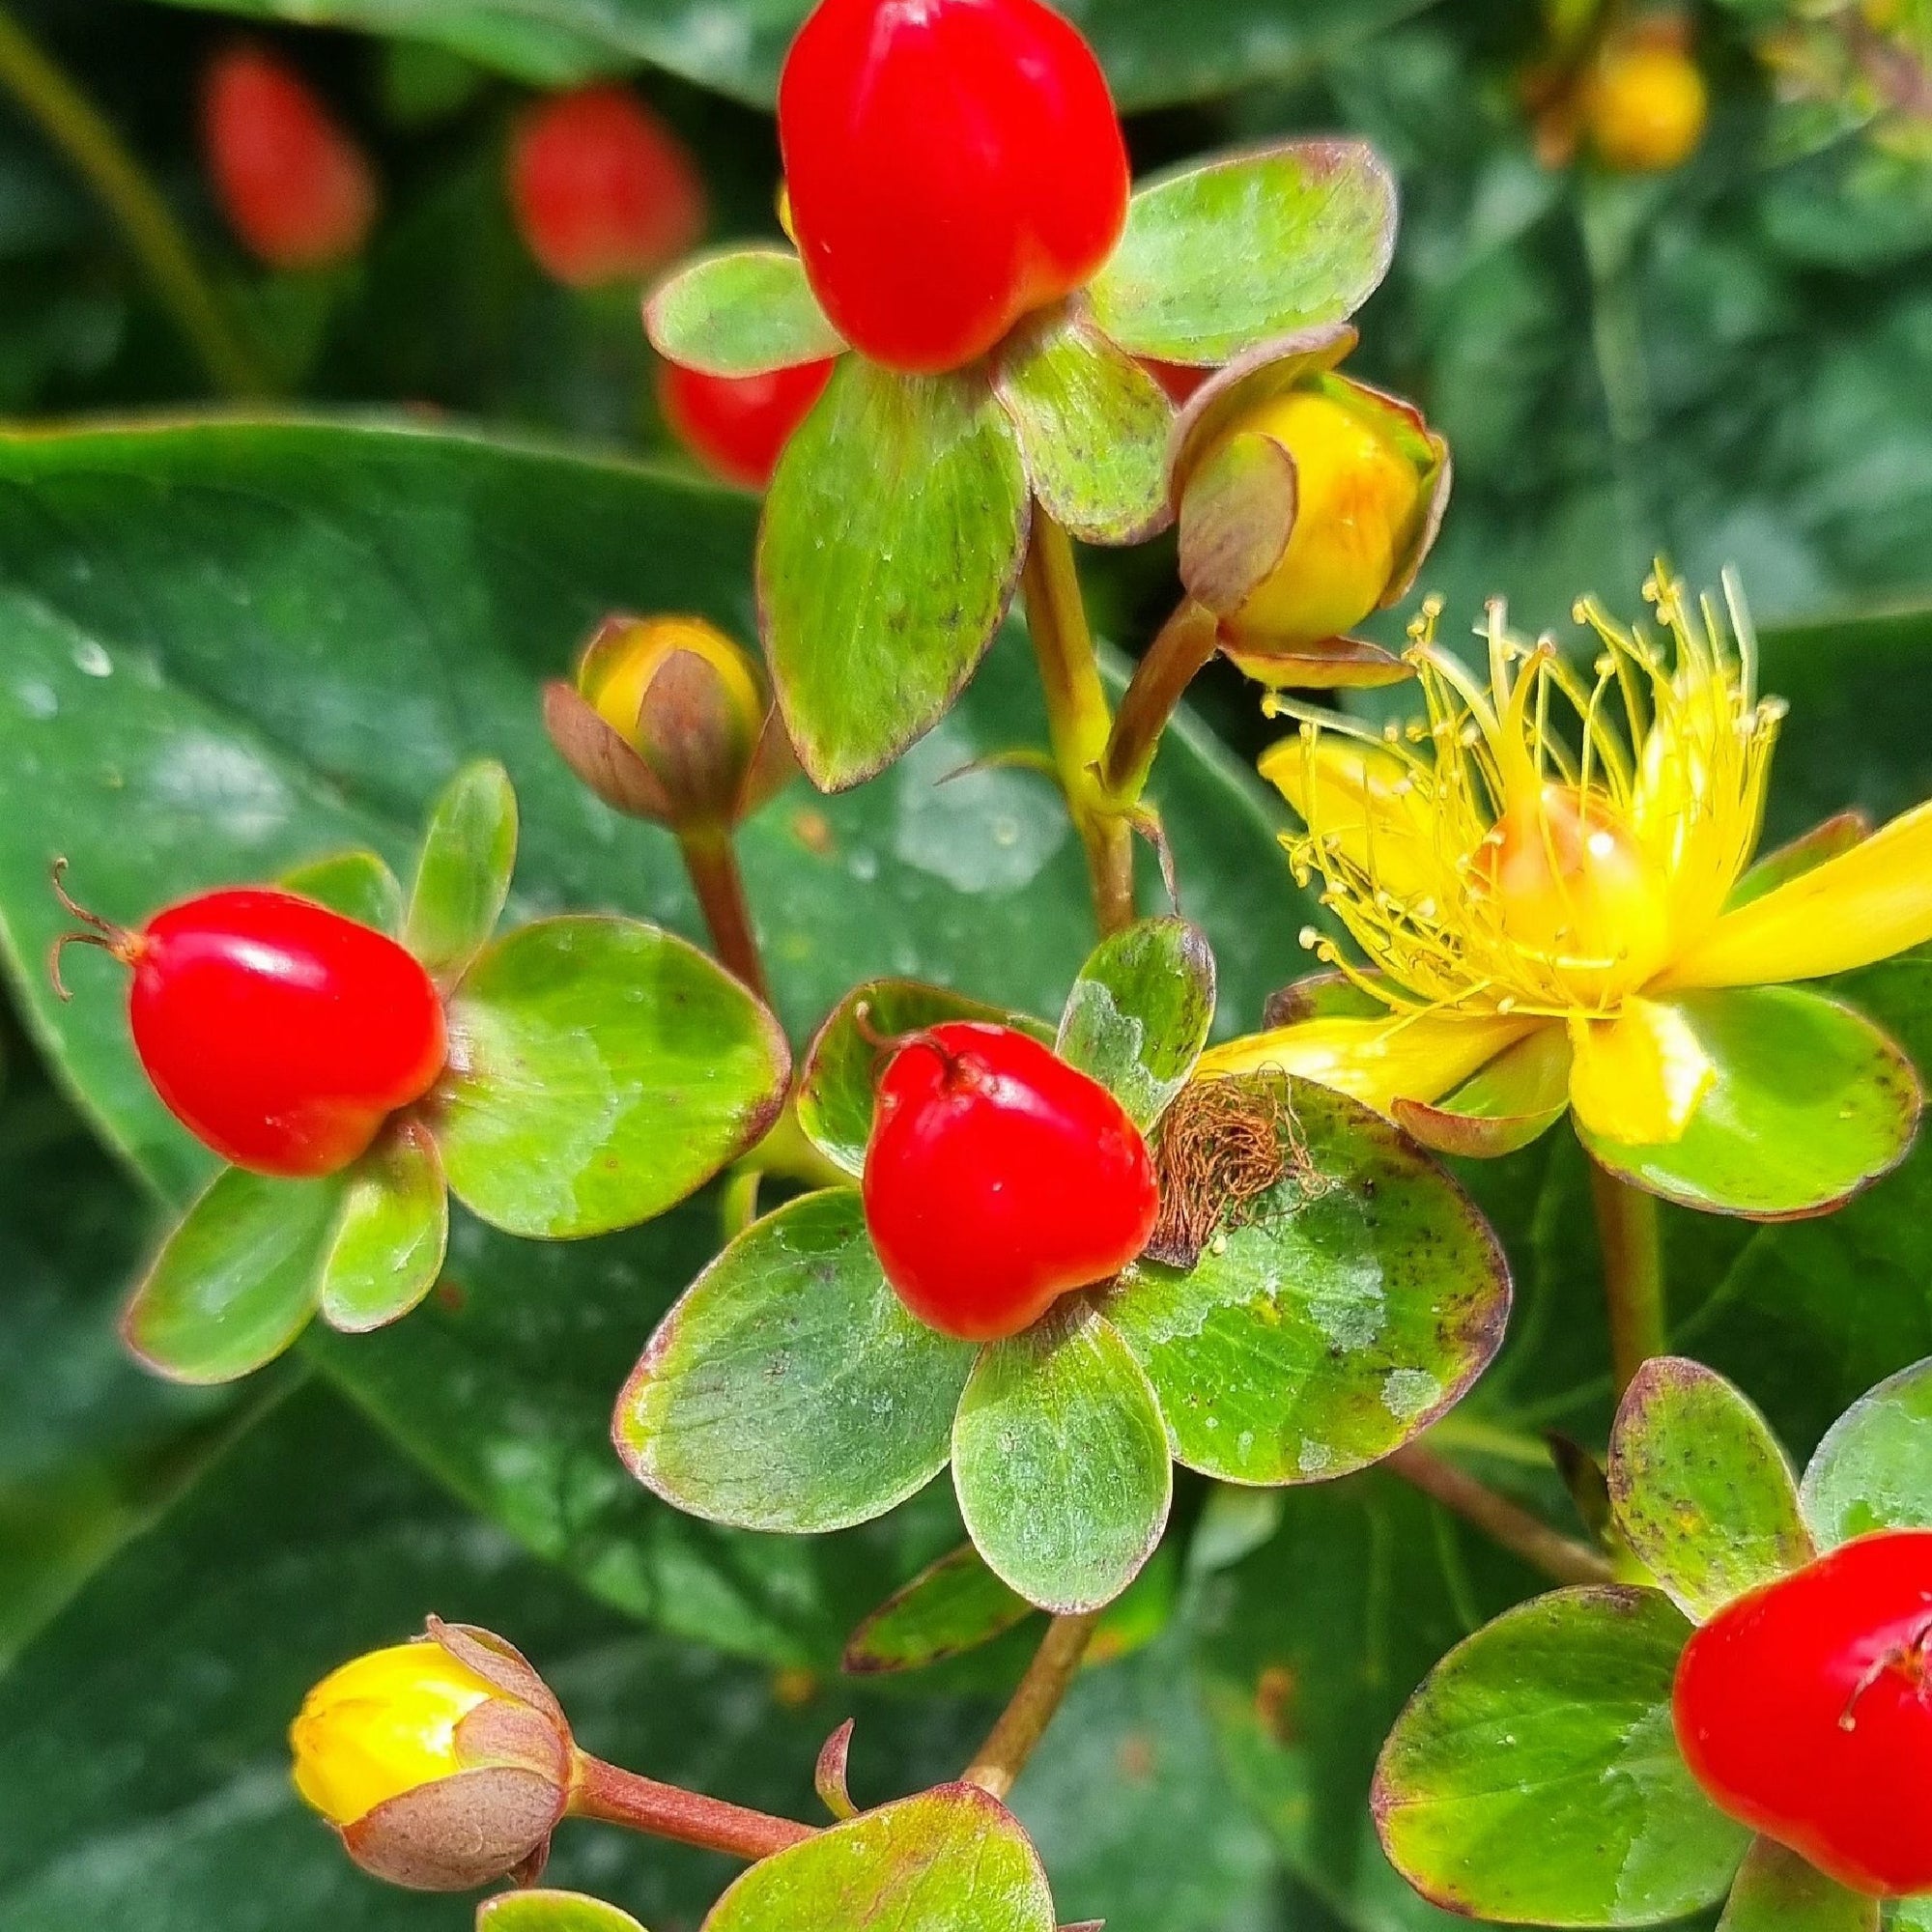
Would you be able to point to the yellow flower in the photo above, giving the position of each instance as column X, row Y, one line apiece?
column 1545, row 878
column 382, row 1725
column 1645, row 104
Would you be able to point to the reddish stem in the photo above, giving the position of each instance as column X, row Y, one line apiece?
column 618, row 1797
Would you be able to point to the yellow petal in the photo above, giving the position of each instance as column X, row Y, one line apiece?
column 1377, row 1060
column 1637, row 1079
column 1867, row 904
column 1361, row 799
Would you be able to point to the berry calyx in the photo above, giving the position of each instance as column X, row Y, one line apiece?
column 280, row 1034
column 603, row 191
column 294, row 187
column 1805, row 1710
column 737, row 426
column 951, row 165
column 998, row 1179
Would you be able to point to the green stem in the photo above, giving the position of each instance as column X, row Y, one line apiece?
column 1626, row 1228
column 1560, row 1558
column 1187, row 641
column 76, row 127
column 1616, row 333
column 712, row 862
column 1078, row 719
column 1022, row 1725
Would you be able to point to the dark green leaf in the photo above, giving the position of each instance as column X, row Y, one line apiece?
column 1777, row 1891
column 463, row 877
column 790, row 1389
column 1356, row 1303
column 1810, row 1102
column 237, row 1281
column 1535, row 1776
column 740, row 313
column 601, row 1071
column 839, row 1084
column 952, row 1860
column 1701, row 1489
column 1060, row 1462
column 389, row 1241
column 358, row 885
column 952, row 1606
column 1221, row 256
column 892, row 537
column 1873, row 1470
column 1140, row 1012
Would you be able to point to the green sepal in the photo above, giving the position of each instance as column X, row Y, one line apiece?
column 463, row 878
column 1354, row 1303
column 1224, row 255
column 391, row 1235
column 1830, row 838
column 236, row 1280
column 1093, row 428
column 1535, row 1776
column 600, row 1070
column 740, row 312
column 953, row 1606
column 790, row 1389
column 1060, row 1462
column 1701, row 1489
column 950, row 1859
column 359, row 885
column 892, row 540
column 1516, row 1099
column 550, row 1910
column 1873, row 1470
column 839, row 1084
column 1778, row 1892
column 1139, row 1014
column 1810, row 1103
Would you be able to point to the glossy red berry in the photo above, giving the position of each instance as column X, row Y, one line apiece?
column 1805, row 1710
column 952, row 165
column 998, row 1178
column 737, row 426
column 1180, row 380
column 276, row 1031
column 294, row 187
column 603, row 191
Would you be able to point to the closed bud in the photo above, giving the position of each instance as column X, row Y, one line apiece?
column 443, row 1764
column 1307, row 502
column 669, row 720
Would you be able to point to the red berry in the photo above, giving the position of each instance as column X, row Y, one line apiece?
column 294, row 185
column 1180, row 380
column 739, row 425
column 278, row 1032
column 602, row 190
column 1805, row 1710
column 952, row 165
column 998, row 1178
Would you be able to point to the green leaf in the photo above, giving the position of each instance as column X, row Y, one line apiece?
column 1223, row 255
column 237, row 1280
column 951, row 1860
column 1701, row 1488
column 1873, row 1470
column 1139, row 1014
column 790, row 1389
column 1357, row 1304
column 390, row 1238
column 1810, row 1103
column 1093, row 428
column 892, row 537
column 601, row 1070
column 550, row 1912
column 743, row 312
column 463, row 878
column 839, row 1084
column 1778, row 1892
column 358, row 885
column 1535, row 1777
column 952, row 1606
column 1060, row 1462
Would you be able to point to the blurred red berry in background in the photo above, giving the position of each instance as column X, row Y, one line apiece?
column 603, row 191
column 295, row 187
column 737, row 426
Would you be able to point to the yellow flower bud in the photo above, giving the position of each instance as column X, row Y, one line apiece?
column 1357, row 496
column 1646, row 105
column 382, row 1725
column 619, row 669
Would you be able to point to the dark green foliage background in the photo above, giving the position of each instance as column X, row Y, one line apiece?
column 1733, row 364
